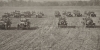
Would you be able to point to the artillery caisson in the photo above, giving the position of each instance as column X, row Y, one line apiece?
column 57, row 14
column 33, row 13
column 24, row 24
column 27, row 14
column 68, row 14
column 62, row 22
column 64, row 13
column 88, row 22
column 17, row 14
column 5, row 23
column 39, row 15
column 90, row 13
column 42, row 13
column 6, row 15
column 77, row 13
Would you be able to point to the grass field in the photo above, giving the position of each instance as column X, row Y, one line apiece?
column 45, row 34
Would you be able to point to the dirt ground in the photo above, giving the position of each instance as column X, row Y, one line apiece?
column 45, row 34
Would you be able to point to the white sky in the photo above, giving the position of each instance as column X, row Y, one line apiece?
column 52, row 0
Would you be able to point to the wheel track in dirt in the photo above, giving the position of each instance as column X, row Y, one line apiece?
column 12, row 38
column 91, row 42
column 91, row 32
column 16, row 31
column 17, row 35
column 11, row 32
column 53, row 42
column 86, row 39
column 28, row 44
column 64, row 38
column 21, row 38
column 57, row 41
column 5, row 34
column 41, row 39
column 98, row 43
column 36, row 41
column 79, row 41
column 76, row 36
column 62, row 42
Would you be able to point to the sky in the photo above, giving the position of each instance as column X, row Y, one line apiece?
column 52, row 0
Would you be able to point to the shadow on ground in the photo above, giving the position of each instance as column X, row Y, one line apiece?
column 93, row 27
column 68, row 27
column 15, row 28
column 79, row 27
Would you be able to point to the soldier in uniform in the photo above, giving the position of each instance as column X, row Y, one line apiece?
column 63, row 18
column 28, row 22
column 87, row 20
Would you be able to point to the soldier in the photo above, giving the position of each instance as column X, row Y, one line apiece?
column 62, row 18
column 64, row 13
column 28, row 22
column 87, row 20
column 62, row 21
column 33, row 13
column 24, row 24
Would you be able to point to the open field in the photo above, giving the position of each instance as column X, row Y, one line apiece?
column 45, row 34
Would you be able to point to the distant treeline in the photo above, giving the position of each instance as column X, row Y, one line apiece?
column 49, row 3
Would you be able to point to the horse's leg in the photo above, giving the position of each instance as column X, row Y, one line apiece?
column 84, row 24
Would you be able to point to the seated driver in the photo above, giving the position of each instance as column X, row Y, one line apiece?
column 88, row 19
column 62, row 18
